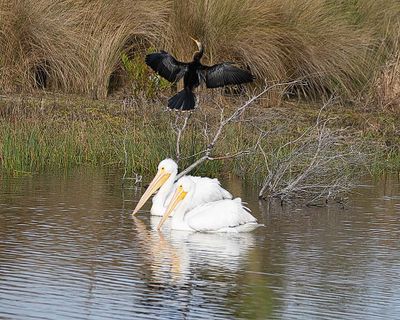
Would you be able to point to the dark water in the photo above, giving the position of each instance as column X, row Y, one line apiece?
column 70, row 250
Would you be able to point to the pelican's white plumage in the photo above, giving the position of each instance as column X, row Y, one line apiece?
column 228, row 215
column 207, row 190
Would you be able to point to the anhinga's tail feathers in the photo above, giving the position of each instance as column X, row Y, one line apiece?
column 184, row 100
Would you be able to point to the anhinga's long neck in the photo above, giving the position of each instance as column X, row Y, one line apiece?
column 198, row 54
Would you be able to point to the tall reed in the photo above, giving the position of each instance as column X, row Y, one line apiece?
column 77, row 46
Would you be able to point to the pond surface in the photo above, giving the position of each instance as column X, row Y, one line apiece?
column 69, row 249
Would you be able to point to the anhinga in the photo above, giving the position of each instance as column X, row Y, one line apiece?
column 193, row 74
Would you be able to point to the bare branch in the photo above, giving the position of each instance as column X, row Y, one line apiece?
column 318, row 165
column 179, row 131
column 230, row 156
column 192, row 166
column 225, row 121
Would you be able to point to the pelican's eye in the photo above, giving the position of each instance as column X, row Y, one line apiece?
column 162, row 168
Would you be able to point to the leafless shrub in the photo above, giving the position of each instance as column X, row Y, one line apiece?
column 213, row 134
column 179, row 126
column 316, row 167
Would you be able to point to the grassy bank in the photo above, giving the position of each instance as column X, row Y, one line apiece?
column 75, row 90
column 58, row 132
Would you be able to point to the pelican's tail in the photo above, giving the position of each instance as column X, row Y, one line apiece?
column 248, row 227
column 184, row 100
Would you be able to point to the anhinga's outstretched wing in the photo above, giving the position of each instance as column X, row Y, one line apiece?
column 223, row 74
column 166, row 65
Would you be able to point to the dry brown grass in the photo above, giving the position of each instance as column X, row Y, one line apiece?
column 118, row 27
column 77, row 45
column 279, row 40
column 40, row 36
column 384, row 92
column 380, row 16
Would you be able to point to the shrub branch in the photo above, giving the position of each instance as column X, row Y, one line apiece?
column 223, row 122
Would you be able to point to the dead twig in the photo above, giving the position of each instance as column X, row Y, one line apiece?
column 315, row 167
column 179, row 131
column 223, row 122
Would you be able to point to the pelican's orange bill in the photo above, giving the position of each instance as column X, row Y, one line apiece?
column 179, row 195
column 155, row 184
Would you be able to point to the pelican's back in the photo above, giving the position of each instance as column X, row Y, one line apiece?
column 222, row 216
column 207, row 190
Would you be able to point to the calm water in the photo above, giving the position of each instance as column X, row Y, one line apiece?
column 70, row 250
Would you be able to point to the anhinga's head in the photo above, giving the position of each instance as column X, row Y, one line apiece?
column 198, row 54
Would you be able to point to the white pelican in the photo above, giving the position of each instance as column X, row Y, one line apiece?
column 207, row 190
column 228, row 215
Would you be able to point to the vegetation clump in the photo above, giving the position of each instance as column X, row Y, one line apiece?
column 74, row 88
column 86, row 47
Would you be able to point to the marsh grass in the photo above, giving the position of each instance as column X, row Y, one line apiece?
column 79, row 46
column 95, row 50
column 71, row 46
column 58, row 133
column 278, row 40
column 45, row 134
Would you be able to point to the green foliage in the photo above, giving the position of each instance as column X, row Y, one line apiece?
column 142, row 80
column 47, row 135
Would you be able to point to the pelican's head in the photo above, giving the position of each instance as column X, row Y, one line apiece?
column 168, row 165
column 185, row 186
column 166, row 168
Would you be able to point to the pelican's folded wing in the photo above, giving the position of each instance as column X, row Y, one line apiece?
column 223, row 215
column 207, row 190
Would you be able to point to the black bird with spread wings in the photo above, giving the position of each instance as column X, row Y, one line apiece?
column 194, row 73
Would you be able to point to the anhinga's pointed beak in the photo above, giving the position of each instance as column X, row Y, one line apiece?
column 155, row 184
column 179, row 195
column 197, row 42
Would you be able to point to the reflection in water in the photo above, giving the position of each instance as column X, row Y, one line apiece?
column 69, row 249
column 175, row 250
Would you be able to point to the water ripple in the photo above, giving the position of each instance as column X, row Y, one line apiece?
column 68, row 250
